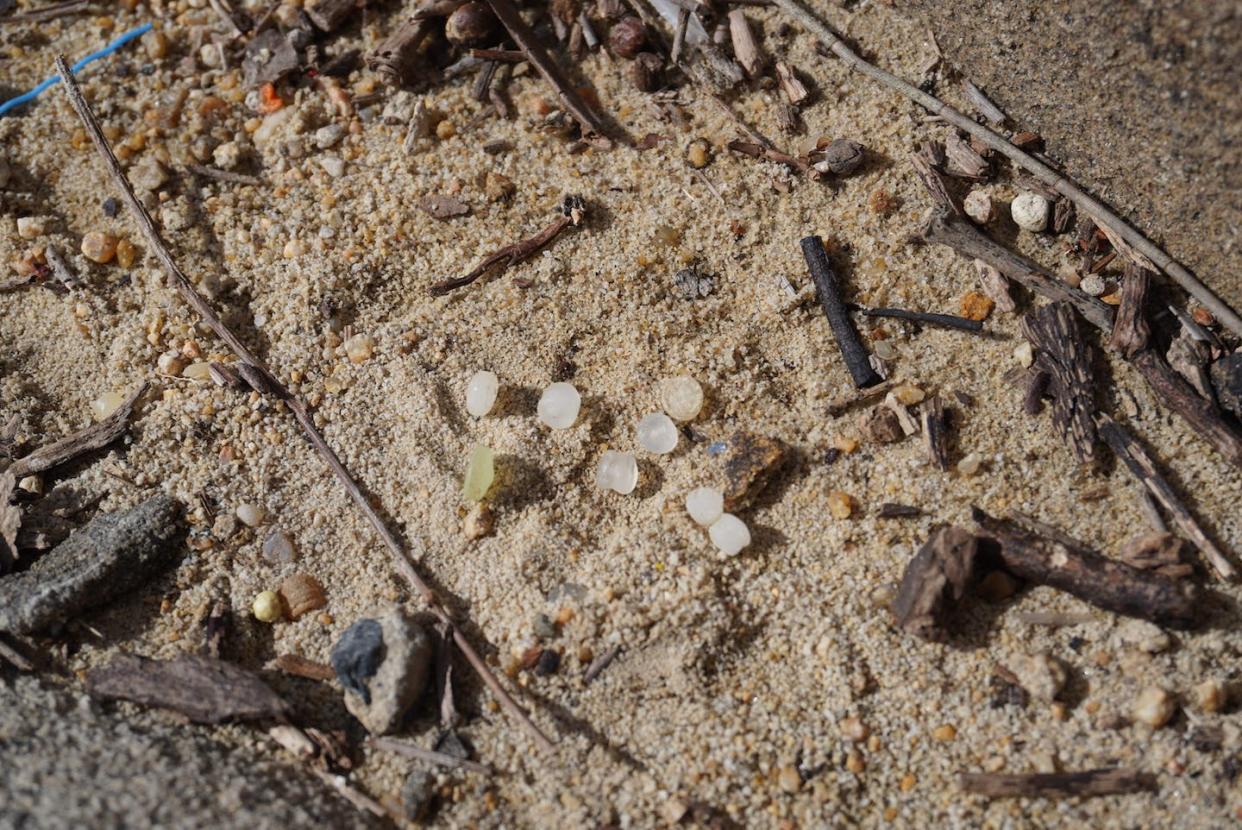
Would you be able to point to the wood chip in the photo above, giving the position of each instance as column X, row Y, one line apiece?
column 749, row 465
column 935, row 418
column 934, row 581
column 1066, row 355
column 203, row 689
column 302, row 667
column 1131, row 332
column 745, row 47
column 962, row 162
column 795, row 91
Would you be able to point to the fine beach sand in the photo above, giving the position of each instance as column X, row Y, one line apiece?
column 732, row 672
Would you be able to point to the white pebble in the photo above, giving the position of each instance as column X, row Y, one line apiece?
column 30, row 227
column 106, row 404
column 1093, row 285
column 705, row 505
column 884, row 350
column 681, row 397
column 617, row 471
column 481, row 393
column 1030, row 212
column 1024, row 354
column 729, row 534
column 657, row 433
column 1154, row 706
column 978, row 206
column 559, row 405
column 250, row 515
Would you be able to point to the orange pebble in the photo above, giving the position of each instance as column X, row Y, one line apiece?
column 269, row 101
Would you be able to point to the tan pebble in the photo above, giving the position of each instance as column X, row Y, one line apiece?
column 698, row 154
column 1024, row 354
column 156, row 45
column 854, row 763
column 909, row 395
column 946, row 732
column 840, row 504
column 789, row 779
column 1211, row 696
column 106, row 404
column 301, row 594
column 99, row 247
column 30, row 227
column 326, row 619
column 1154, row 706
column 853, row 729
column 480, row 522
column 908, row 782
column 498, row 187
column 170, row 363
column 994, row 763
column 673, row 811
column 126, row 253
column 890, row 813
column 976, row 306
column 845, row 443
column 359, row 348
column 445, row 130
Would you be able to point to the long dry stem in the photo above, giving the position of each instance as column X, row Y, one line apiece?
column 1101, row 213
column 260, row 372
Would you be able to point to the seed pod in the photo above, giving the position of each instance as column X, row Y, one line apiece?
column 472, row 25
column 301, row 594
column 841, row 157
column 627, row 37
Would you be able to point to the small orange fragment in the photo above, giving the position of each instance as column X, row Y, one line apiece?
column 269, row 101
column 976, row 306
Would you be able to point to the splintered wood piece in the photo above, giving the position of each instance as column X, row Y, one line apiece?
column 982, row 104
column 962, row 162
column 935, row 419
column 204, row 689
column 93, row 437
column 1131, row 332
column 1106, row 583
column 795, row 91
column 1157, row 551
column 857, row 359
column 1139, row 462
column 925, row 163
column 528, row 42
column 995, row 286
column 934, row 581
column 745, row 47
column 1066, row 355
column 1087, row 784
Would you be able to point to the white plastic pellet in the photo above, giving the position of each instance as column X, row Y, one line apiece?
column 705, row 505
column 681, row 397
column 657, row 433
column 481, row 393
column 559, row 405
column 1029, row 211
column 729, row 534
column 250, row 515
column 617, row 471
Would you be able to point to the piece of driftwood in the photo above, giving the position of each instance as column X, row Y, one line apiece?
column 1139, row 462
column 857, row 358
column 935, row 420
column 402, row 562
column 507, row 13
column 1087, row 784
column 204, row 689
column 935, row 580
column 1131, row 333
column 94, row 437
column 304, row 667
column 396, row 59
column 1102, row 214
column 1066, row 355
column 1105, row 583
column 1170, row 388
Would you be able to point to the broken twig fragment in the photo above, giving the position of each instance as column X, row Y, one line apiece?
column 1088, row 784
column 948, row 321
column 857, row 359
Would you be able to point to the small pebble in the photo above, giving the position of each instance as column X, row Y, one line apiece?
column 705, row 505
column 978, row 206
column 1211, row 696
column 328, row 136
column 559, row 405
column 945, row 733
column 251, row 515
column 98, row 246
column 729, row 534
column 884, row 350
column 30, row 227
column 267, row 607
column 1093, row 285
column 1030, row 211
column 278, row 547
column 657, row 433
column 332, row 165
column 840, row 504
column 698, row 155
column 976, row 306
column 682, row 398
column 1154, row 706
column 359, row 348
column 481, row 392
column 480, row 472
column 909, row 395
column 170, row 363
column 854, row 730
column 789, row 779
column 111, row 207
column 1040, row 674
column 970, row 464
column 300, row 594
column 1024, row 354
column 617, row 471
column 480, row 522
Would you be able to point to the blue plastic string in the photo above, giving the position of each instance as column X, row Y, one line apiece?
column 93, row 56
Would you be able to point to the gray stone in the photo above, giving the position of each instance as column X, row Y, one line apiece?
column 1227, row 380
column 329, row 135
column 148, row 174
column 416, row 794
column 383, row 675
column 109, row 556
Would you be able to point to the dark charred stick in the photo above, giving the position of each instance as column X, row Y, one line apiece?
column 215, row 627
column 1170, row 388
column 1066, row 355
column 1087, row 784
column 948, row 321
column 857, row 359
column 1143, row 466
column 12, row 655
column 400, row 559
column 497, row 94
column 499, row 55
column 1105, row 583
column 573, row 211
column 1131, row 333
column 93, row 437
column 935, row 418
column 437, row 8
column 526, row 40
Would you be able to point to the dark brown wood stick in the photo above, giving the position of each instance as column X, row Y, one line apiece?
column 1066, row 356
column 183, row 285
column 948, row 321
column 857, row 359
column 526, row 40
column 1102, row 214
column 1143, row 466
column 1171, row 388
column 1131, row 333
column 1106, row 583
column 502, row 55
column 1086, row 784
column 935, row 420
column 93, row 437
column 572, row 211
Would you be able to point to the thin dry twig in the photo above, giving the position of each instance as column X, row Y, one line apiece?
column 272, row 386
column 223, row 175
column 93, row 437
column 411, row 750
column 1106, row 218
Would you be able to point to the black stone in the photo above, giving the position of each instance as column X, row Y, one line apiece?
column 549, row 662
column 111, row 207
column 357, row 656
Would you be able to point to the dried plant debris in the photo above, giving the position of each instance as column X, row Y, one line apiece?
column 749, row 466
column 1087, row 784
column 1106, row 583
column 269, row 57
column 204, row 689
column 935, row 421
column 10, row 523
column 93, row 437
column 935, row 580
column 1065, row 354
column 109, row 556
